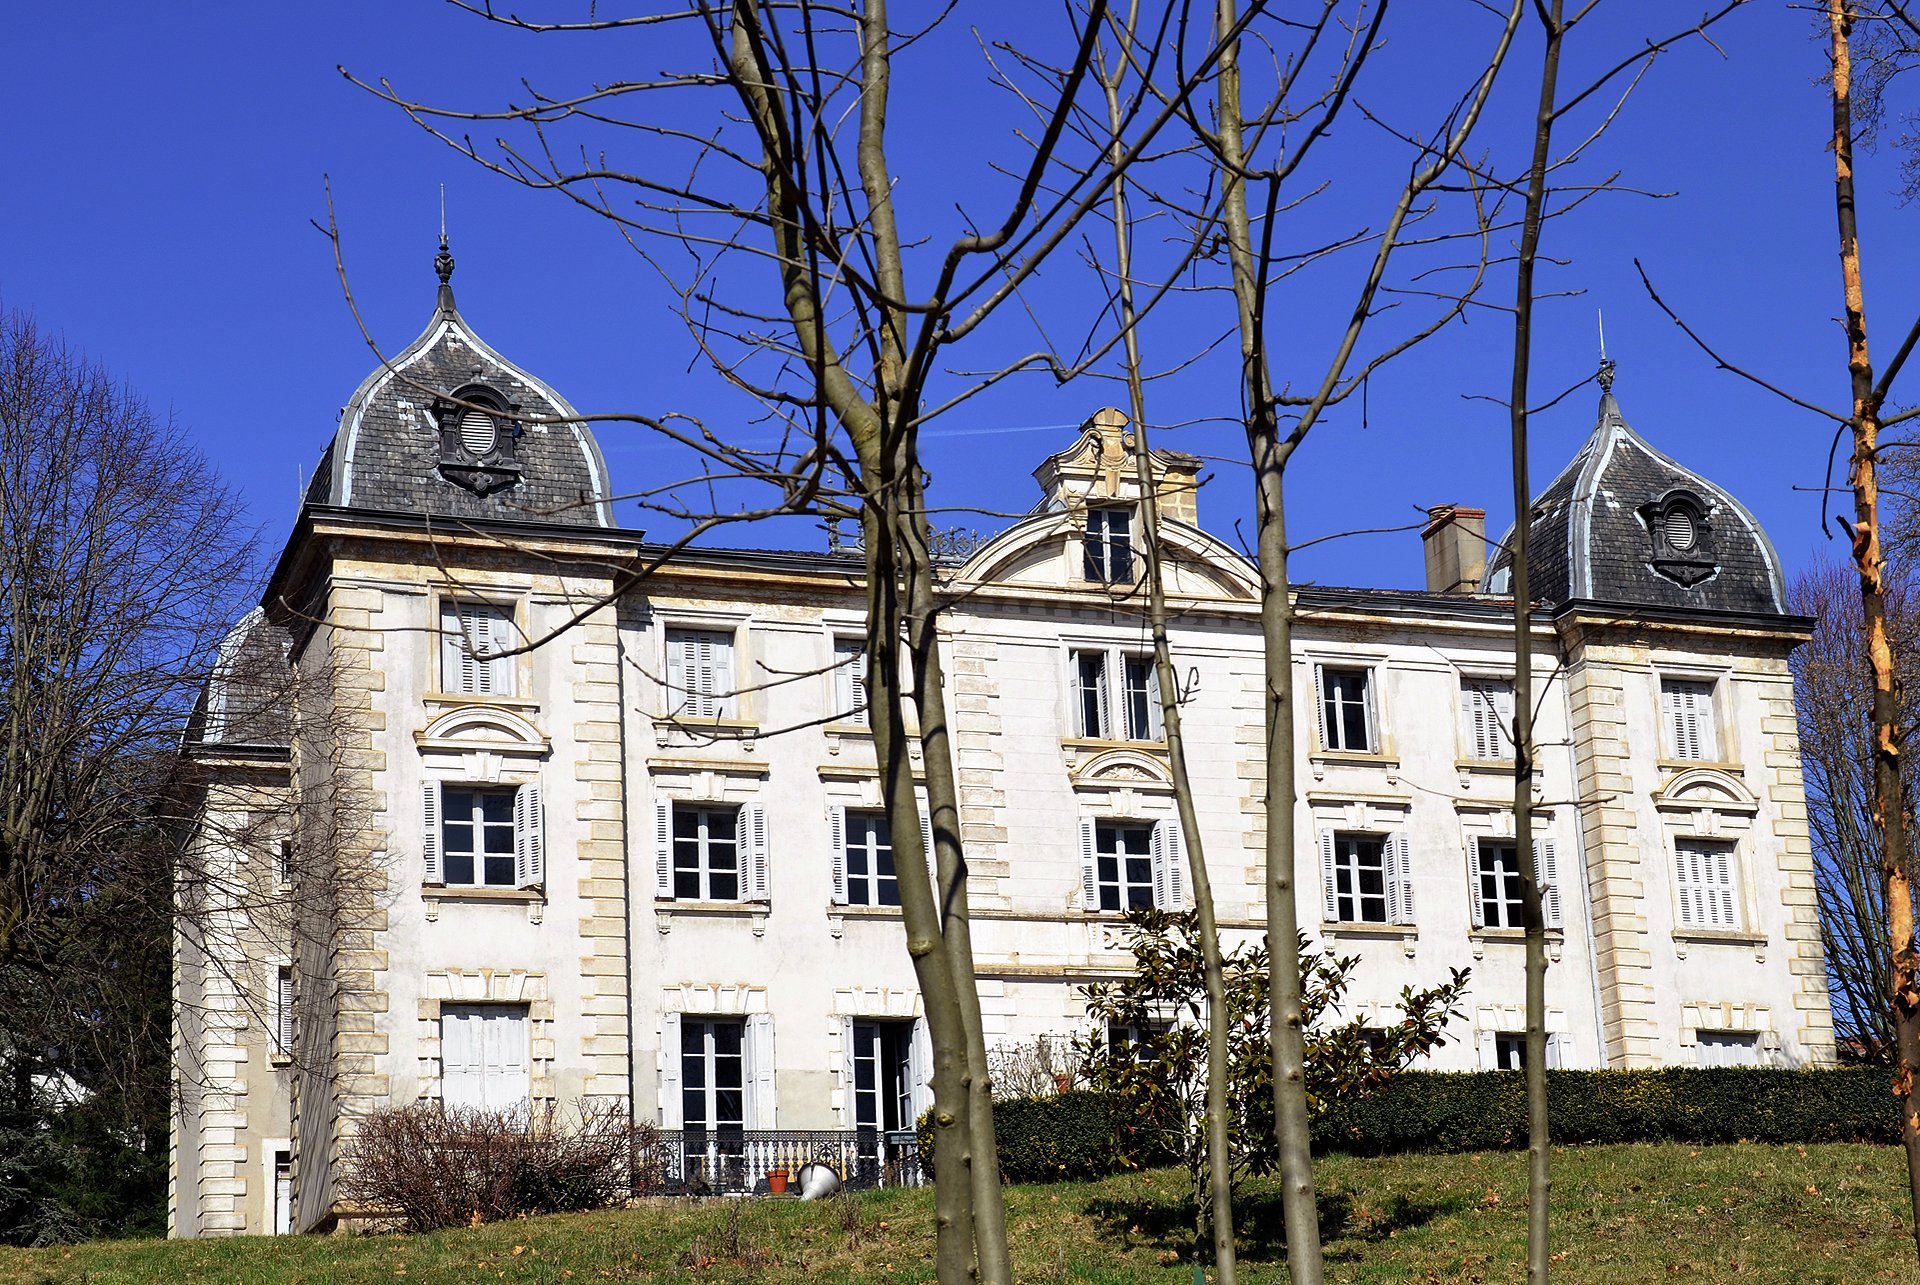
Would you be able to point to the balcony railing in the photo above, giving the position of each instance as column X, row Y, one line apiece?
column 719, row 1162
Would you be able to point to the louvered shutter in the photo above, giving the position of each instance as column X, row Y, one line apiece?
column 476, row 621
column 283, row 1030
column 1547, row 864
column 927, row 847
column 1720, row 886
column 760, row 1113
column 1488, row 707
column 1370, row 702
column 1089, row 867
column 1474, row 897
column 920, row 1068
column 1329, row 884
column 1400, row 878
column 705, row 703
column 1156, row 716
column 850, row 1117
column 1169, row 865
column 1321, row 716
column 837, row 841
column 671, row 1108
column 430, row 832
column 529, row 838
column 753, row 819
column 1692, row 877
column 663, row 849
column 455, row 664
column 679, row 675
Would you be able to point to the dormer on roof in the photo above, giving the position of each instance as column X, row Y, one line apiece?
column 1625, row 524
column 1098, row 470
column 452, row 429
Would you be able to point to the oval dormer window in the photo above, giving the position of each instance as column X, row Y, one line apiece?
column 478, row 433
column 1680, row 532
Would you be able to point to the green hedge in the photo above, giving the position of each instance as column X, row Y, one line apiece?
column 1071, row 1136
column 1486, row 1110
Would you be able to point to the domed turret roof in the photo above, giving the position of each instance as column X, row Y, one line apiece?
column 450, row 428
column 1625, row 524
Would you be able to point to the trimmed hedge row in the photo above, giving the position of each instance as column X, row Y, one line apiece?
column 1071, row 1136
column 1486, row 1110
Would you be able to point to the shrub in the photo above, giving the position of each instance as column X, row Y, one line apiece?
column 1486, row 1110
column 432, row 1168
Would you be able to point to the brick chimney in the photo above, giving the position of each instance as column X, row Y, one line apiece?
column 1456, row 544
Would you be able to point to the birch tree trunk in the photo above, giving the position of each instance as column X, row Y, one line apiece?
column 1869, row 559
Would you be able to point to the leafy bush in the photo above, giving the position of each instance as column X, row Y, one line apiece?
column 432, row 1168
column 1486, row 1110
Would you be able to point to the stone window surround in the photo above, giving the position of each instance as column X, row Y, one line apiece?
column 509, row 756
column 1380, row 814
column 490, row 986
column 1376, row 661
column 1732, row 818
column 1697, row 1015
column 747, row 703
column 510, row 593
column 1496, row 821
column 697, row 781
column 1118, row 647
column 1720, row 676
column 870, row 1003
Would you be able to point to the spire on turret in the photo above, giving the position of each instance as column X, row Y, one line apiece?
column 443, row 267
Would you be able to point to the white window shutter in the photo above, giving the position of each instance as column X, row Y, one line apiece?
column 430, row 831
column 1089, row 867
column 837, row 839
column 670, row 1105
column 753, row 818
column 1489, row 1052
column 849, row 1108
column 283, row 1029
column 1474, row 896
column 1720, row 888
column 1399, row 878
column 1329, row 885
column 926, row 846
column 1169, row 865
column 920, row 1067
column 1113, row 695
column 663, row 848
column 1320, row 718
column 529, row 838
column 679, row 680
column 461, row 1069
column 1692, row 886
column 476, row 620
column 760, row 1082
column 1371, row 699
column 1559, row 1049
column 455, row 664
column 1547, row 865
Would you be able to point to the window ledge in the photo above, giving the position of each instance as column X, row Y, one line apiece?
column 864, row 912
column 1347, row 928
column 1356, row 758
column 848, row 729
column 1098, row 744
column 480, row 698
column 730, row 729
column 458, row 892
column 1514, row 934
column 1689, row 765
column 666, row 910
column 1723, row 936
column 279, row 1059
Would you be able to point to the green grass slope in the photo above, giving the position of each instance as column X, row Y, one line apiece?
column 1811, row 1216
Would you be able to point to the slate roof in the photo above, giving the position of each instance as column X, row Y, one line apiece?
column 1597, row 533
column 387, row 455
column 246, row 699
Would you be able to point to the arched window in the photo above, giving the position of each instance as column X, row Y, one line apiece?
column 1680, row 528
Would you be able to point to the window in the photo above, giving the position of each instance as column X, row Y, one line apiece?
column 1100, row 712
column 1135, row 1040
column 1365, row 878
column 1486, row 718
column 282, row 1192
column 850, row 680
column 885, row 1075
column 483, row 1056
column 1509, row 1051
column 280, row 1017
column 700, row 673
column 1729, row 1048
column 864, row 848
column 1109, row 551
column 716, row 1079
column 710, row 851
column 472, row 636
column 1128, row 865
column 713, row 1073
column 1706, row 883
column 1346, row 709
column 483, row 836
column 1495, row 883
column 283, row 863
column 1686, row 707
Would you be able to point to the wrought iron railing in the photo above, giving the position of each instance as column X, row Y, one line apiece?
column 718, row 1162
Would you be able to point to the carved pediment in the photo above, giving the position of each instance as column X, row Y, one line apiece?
column 1127, row 769
column 1704, row 787
column 483, row 727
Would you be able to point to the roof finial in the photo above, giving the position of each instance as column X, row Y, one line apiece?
column 1606, row 367
column 443, row 261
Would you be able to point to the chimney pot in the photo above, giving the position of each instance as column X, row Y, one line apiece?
column 1456, row 546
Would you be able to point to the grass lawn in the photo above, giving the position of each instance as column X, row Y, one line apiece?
column 1622, row 1214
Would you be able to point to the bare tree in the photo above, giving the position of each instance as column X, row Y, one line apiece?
column 122, row 557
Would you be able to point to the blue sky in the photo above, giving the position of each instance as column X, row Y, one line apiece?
column 165, row 163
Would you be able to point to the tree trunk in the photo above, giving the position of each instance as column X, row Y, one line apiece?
column 1903, row 985
column 1292, row 1130
column 1539, row 1150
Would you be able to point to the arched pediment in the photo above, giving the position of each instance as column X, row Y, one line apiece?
column 1043, row 551
column 1123, row 769
column 484, row 727
column 1706, row 787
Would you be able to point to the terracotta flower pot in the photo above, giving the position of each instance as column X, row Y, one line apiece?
column 777, row 1181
